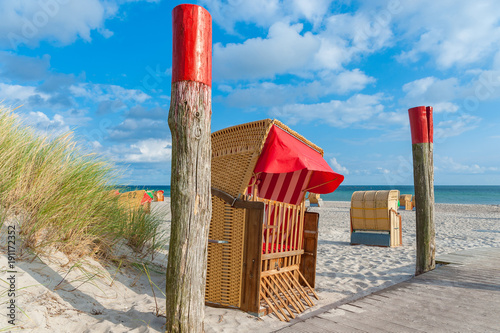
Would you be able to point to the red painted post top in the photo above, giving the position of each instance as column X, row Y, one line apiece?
column 421, row 124
column 192, row 44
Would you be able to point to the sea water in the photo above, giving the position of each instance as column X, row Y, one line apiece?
column 486, row 195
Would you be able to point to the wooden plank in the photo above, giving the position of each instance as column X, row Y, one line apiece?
column 280, row 317
column 357, row 323
column 252, row 259
column 293, row 230
column 383, row 320
column 292, row 299
column 306, row 327
column 441, row 309
column 453, row 259
column 281, row 254
column 309, row 258
column 398, row 313
column 282, row 270
column 307, row 285
column 442, row 298
column 301, row 290
column 279, row 295
column 263, row 287
column 326, row 326
column 450, row 298
column 287, row 233
column 236, row 202
column 293, row 291
column 400, row 230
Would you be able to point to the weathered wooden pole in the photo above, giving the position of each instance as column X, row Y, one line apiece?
column 189, row 121
column 423, row 174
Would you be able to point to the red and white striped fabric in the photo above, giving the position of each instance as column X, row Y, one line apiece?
column 287, row 166
column 283, row 187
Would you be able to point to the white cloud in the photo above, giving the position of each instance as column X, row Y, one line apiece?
column 454, row 127
column 30, row 21
column 337, row 167
column 18, row 94
column 485, row 86
column 44, row 125
column 468, row 32
column 312, row 10
column 96, row 145
column 272, row 94
column 383, row 171
column 346, row 36
column 284, row 50
column 418, row 87
column 287, row 49
column 27, row 22
column 445, row 107
column 226, row 13
column 107, row 92
column 143, row 151
column 357, row 109
column 132, row 129
column 348, row 81
column 432, row 91
column 448, row 165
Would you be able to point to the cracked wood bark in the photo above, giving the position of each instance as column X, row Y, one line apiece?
column 190, row 198
column 191, row 206
column 421, row 124
column 423, row 174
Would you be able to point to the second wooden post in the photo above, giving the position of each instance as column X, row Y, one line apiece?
column 423, row 174
column 189, row 121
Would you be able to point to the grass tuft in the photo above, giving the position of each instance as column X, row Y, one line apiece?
column 61, row 198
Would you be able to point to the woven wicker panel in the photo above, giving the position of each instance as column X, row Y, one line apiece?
column 370, row 209
column 235, row 151
column 214, row 264
column 225, row 261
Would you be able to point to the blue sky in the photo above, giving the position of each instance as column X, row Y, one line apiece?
column 341, row 73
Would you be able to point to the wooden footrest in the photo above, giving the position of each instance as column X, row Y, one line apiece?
column 284, row 295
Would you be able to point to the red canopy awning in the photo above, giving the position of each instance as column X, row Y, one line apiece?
column 293, row 166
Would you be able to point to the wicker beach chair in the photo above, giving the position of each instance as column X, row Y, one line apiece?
column 136, row 199
column 314, row 199
column 374, row 218
column 406, row 201
column 262, row 242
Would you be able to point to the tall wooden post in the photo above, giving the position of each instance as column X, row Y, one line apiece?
column 189, row 121
column 423, row 174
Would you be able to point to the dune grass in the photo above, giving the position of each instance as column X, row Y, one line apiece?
column 61, row 196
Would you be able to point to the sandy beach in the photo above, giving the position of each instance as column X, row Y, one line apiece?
column 55, row 295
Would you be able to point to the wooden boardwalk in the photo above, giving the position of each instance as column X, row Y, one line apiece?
column 461, row 296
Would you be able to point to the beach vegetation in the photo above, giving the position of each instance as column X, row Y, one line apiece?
column 62, row 199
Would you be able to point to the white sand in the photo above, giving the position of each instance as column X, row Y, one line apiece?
column 344, row 272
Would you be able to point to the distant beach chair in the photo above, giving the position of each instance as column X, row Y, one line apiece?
column 136, row 199
column 262, row 242
column 406, row 201
column 374, row 218
column 160, row 195
column 313, row 199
